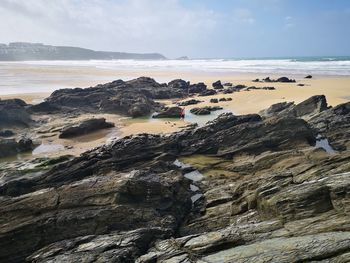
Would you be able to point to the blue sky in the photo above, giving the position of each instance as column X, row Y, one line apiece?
column 196, row 28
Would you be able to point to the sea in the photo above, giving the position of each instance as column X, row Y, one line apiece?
column 46, row 76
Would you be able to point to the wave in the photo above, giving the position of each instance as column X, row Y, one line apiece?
column 298, row 65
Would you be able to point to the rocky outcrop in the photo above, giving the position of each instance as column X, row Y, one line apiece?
column 170, row 112
column 306, row 109
column 208, row 92
column 132, row 98
column 260, row 190
column 85, row 127
column 13, row 113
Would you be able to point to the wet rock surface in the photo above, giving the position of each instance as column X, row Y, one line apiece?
column 14, row 113
column 205, row 110
column 267, row 193
column 170, row 112
column 85, row 127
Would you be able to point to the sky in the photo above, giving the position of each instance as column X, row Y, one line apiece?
column 193, row 28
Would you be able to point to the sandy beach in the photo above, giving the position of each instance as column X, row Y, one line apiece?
column 335, row 88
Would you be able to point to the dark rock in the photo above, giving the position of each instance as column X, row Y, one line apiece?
column 227, row 84
column 311, row 106
column 197, row 88
column 308, row 77
column 208, row 92
column 205, row 110
column 10, row 147
column 6, row 133
column 214, row 100
column 256, row 80
column 13, row 112
column 285, row 80
column 85, row 127
column 189, row 102
column 44, row 107
column 171, row 112
column 260, row 88
column 301, row 85
column 217, row 85
column 179, row 84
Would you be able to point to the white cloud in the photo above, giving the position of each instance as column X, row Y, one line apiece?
column 125, row 25
column 243, row 15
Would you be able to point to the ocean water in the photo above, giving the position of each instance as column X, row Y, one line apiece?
column 41, row 76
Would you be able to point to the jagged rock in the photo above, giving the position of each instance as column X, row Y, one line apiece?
column 217, row 85
column 306, row 109
column 13, row 112
column 171, row 112
column 214, row 100
column 205, row 110
column 267, row 193
column 275, row 109
column 85, row 127
column 311, row 106
column 189, row 102
column 93, row 204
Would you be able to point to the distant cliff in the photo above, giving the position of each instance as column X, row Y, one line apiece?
column 36, row 51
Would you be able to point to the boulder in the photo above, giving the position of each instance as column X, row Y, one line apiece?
column 179, row 84
column 10, row 147
column 205, row 110
column 170, row 112
column 227, row 84
column 84, row 127
column 217, row 85
column 308, row 77
column 197, row 88
column 13, row 112
column 214, row 100
column 285, row 80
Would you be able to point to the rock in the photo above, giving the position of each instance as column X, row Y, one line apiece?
column 205, row 110
column 13, row 112
column 197, row 88
column 6, row 133
column 227, row 84
column 311, row 106
column 266, row 193
column 260, row 88
column 85, row 127
column 308, row 77
column 214, row 100
column 171, row 112
column 285, row 80
column 208, row 92
column 189, row 102
column 276, row 109
column 301, row 85
column 178, row 84
column 256, row 80
column 44, row 107
column 217, row 85
column 225, row 99
column 10, row 147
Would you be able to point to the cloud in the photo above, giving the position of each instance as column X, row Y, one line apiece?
column 125, row 25
column 244, row 16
